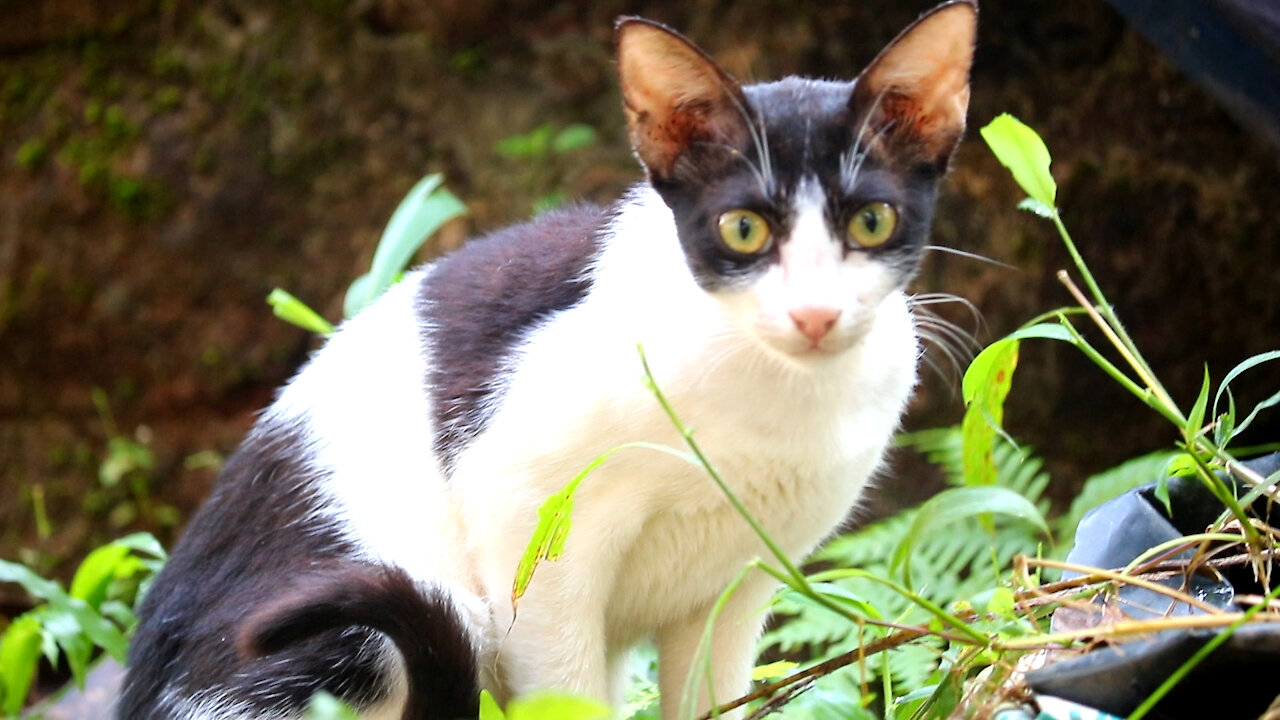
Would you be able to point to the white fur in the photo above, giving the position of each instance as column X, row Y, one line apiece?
column 795, row 430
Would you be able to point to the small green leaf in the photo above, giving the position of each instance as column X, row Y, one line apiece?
column 555, row 518
column 956, row 504
column 1195, row 419
column 985, row 386
column 549, row 537
column 61, row 624
column 1002, row 602
column 19, row 655
column 556, row 706
column 292, row 310
column 143, row 542
column 422, row 212
column 1020, row 149
column 489, row 708
column 324, row 706
column 30, row 581
column 96, row 572
column 573, row 137
column 1235, row 372
column 773, row 670
column 1045, row 331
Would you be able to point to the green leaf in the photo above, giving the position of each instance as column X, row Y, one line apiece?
column 143, row 542
column 555, row 519
column 1195, row 419
column 19, row 654
column 1020, row 149
column 324, row 706
column 955, row 504
column 573, row 137
column 124, row 456
column 96, row 572
column 774, row 670
column 985, row 386
column 549, row 537
column 489, row 708
column 1045, row 331
column 1236, row 372
column 292, row 310
column 101, row 631
column 30, row 581
column 422, row 212
column 535, row 143
column 1002, row 602
column 556, row 706
column 60, row 623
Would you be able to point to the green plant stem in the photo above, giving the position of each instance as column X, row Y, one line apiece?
column 1114, row 372
column 1111, row 327
column 1224, row 495
column 687, row 435
column 1126, row 344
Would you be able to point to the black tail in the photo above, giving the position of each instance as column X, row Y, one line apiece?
column 424, row 625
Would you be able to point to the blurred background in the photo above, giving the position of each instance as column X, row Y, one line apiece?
column 165, row 163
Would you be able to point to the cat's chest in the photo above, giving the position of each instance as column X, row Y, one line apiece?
column 688, row 551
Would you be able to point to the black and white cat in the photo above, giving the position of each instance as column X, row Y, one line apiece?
column 364, row 538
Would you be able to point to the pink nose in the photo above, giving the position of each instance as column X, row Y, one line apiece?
column 815, row 321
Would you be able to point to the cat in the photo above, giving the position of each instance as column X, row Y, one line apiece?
column 364, row 538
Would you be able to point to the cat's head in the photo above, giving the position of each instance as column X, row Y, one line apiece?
column 802, row 203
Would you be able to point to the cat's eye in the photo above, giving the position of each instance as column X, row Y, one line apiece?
column 873, row 224
column 744, row 231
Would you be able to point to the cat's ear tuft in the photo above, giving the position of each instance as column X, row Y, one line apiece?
column 917, row 89
column 674, row 95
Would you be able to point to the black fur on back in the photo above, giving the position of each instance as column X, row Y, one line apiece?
column 477, row 304
column 422, row 623
column 259, row 529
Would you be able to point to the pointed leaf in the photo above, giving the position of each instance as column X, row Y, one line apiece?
column 1020, row 149
column 420, row 214
column 986, row 385
column 30, row 581
column 489, row 708
column 573, row 137
column 956, row 504
column 555, row 519
column 556, row 706
column 1195, row 419
column 96, row 572
column 292, row 310
column 1236, row 372
column 19, row 655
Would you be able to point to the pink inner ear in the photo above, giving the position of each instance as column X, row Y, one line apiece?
column 923, row 76
column 674, row 95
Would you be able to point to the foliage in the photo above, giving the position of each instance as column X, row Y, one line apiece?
column 427, row 207
column 97, row 612
column 537, row 150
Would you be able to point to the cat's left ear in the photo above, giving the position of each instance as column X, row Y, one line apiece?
column 917, row 89
column 675, row 96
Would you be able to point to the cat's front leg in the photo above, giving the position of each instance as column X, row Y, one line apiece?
column 555, row 650
column 733, row 652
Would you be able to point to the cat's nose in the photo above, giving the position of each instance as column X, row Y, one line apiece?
column 815, row 321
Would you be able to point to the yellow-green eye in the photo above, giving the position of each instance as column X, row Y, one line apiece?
column 873, row 224
column 744, row 231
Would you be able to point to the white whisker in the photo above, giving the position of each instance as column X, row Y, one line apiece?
column 969, row 255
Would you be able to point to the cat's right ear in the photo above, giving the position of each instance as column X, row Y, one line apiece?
column 674, row 96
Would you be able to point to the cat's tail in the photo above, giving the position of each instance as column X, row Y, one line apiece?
column 423, row 623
